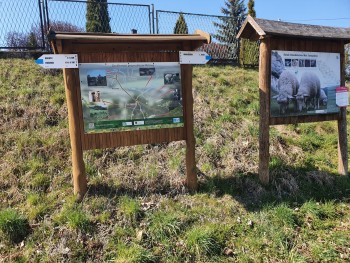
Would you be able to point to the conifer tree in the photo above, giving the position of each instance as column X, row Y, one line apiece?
column 97, row 17
column 234, row 16
column 181, row 25
column 347, row 61
column 32, row 41
column 249, row 50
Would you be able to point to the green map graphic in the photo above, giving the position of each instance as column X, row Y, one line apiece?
column 127, row 96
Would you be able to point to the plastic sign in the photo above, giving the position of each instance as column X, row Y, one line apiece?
column 58, row 61
column 194, row 57
column 342, row 96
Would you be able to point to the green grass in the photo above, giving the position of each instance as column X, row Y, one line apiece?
column 137, row 208
column 13, row 225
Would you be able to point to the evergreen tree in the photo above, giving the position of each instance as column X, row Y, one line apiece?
column 32, row 41
column 249, row 50
column 234, row 16
column 181, row 25
column 97, row 17
column 251, row 10
column 347, row 62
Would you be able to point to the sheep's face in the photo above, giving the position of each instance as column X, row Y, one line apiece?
column 324, row 102
column 300, row 102
column 283, row 102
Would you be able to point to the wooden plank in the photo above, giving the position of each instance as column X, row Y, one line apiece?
column 343, row 161
column 264, row 92
column 303, row 119
column 129, row 138
column 125, row 47
column 110, row 57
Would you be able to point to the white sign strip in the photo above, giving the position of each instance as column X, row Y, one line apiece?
column 58, row 61
column 194, row 57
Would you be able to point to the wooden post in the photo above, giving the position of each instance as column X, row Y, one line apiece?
column 342, row 129
column 264, row 125
column 71, row 77
column 191, row 176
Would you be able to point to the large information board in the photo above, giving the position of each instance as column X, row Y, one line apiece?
column 129, row 96
column 304, row 83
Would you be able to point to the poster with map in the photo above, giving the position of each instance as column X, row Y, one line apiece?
column 129, row 96
column 303, row 83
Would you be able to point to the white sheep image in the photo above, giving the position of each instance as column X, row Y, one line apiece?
column 309, row 91
column 323, row 98
column 288, row 86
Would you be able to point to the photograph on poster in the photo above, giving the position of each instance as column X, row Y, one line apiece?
column 129, row 96
column 303, row 83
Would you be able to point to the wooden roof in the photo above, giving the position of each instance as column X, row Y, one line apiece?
column 255, row 28
column 196, row 40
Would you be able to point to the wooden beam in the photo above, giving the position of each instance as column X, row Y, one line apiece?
column 264, row 124
column 342, row 125
column 71, row 77
column 186, row 76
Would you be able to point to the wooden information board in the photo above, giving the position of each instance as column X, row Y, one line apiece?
column 300, row 39
column 114, row 48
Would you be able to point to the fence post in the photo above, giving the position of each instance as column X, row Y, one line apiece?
column 153, row 28
column 41, row 25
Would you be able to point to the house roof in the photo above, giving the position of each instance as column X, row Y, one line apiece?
column 255, row 28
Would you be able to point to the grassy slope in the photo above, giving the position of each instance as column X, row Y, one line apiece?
column 137, row 209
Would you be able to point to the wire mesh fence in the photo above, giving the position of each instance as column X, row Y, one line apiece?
column 167, row 21
column 122, row 17
column 24, row 24
column 21, row 24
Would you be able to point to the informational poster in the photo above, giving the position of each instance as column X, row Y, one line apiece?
column 342, row 96
column 129, row 96
column 304, row 83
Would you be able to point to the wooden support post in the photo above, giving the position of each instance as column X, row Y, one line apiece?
column 342, row 143
column 191, row 176
column 342, row 129
column 71, row 78
column 264, row 125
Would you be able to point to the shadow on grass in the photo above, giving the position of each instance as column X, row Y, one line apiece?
column 287, row 185
column 109, row 190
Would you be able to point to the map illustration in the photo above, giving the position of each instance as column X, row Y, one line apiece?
column 128, row 96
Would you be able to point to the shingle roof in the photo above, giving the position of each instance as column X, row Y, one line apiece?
column 254, row 28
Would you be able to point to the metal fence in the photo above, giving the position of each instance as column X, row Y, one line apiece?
column 18, row 19
column 165, row 24
column 24, row 24
column 123, row 17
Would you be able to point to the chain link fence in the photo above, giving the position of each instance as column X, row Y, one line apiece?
column 220, row 52
column 123, row 17
column 24, row 24
column 19, row 22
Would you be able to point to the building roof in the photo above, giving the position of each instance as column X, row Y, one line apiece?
column 255, row 28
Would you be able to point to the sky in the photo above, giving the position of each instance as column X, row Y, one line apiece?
column 21, row 15
column 318, row 12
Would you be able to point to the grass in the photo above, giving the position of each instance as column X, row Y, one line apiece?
column 137, row 208
column 13, row 225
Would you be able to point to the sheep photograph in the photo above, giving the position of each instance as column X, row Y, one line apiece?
column 302, row 89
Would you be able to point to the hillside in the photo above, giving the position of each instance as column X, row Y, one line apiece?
column 137, row 209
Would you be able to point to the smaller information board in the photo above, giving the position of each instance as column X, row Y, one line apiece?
column 127, row 96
